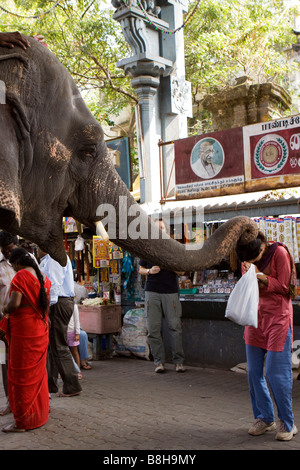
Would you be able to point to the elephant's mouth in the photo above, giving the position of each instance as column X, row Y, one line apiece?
column 8, row 219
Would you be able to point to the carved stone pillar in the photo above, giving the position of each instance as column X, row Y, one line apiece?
column 145, row 67
column 157, row 71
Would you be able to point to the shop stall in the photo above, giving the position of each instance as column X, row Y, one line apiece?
column 210, row 339
column 113, row 280
column 106, row 285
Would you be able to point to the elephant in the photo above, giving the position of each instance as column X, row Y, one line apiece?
column 55, row 164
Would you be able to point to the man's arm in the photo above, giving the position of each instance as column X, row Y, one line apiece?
column 153, row 270
column 13, row 39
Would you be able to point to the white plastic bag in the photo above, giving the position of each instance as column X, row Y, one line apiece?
column 242, row 304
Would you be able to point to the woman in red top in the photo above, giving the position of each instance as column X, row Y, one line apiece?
column 26, row 327
column 270, row 344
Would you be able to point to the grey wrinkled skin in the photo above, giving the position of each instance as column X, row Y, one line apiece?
column 54, row 163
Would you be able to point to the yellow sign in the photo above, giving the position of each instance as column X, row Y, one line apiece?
column 100, row 252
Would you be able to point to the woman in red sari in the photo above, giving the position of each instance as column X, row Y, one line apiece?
column 26, row 328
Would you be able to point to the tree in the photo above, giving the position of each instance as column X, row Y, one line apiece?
column 223, row 39
column 229, row 38
column 85, row 38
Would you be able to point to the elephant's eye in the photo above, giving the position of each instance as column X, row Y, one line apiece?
column 89, row 152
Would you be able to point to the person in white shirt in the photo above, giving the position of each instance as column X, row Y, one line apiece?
column 61, row 310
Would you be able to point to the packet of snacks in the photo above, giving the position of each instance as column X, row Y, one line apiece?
column 274, row 230
column 262, row 225
column 298, row 234
column 280, row 231
column 295, row 242
column 269, row 231
column 288, row 233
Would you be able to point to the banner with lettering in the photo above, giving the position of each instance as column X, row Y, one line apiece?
column 252, row 158
column 209, row 164
column 272, row 154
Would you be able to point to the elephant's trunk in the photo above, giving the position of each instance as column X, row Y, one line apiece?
column 130, row 228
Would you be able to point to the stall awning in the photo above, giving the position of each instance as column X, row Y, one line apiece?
column 261, row 204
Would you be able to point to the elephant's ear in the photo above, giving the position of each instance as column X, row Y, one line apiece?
column 15, row 149
column 10, row 183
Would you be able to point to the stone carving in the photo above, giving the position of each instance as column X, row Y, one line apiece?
column 134, row 30
column 149, row 6
column 181, row 95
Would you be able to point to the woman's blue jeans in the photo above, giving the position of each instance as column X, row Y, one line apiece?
column 278, row 370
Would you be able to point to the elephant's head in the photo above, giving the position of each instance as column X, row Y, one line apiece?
column 54, row 163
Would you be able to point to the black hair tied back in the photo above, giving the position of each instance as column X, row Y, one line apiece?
column 21, row 257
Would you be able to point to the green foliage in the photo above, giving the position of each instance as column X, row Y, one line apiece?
column 223, row 40
column 85, row 38
column 230, row 38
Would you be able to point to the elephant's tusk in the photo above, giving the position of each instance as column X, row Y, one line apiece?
column 100, row 230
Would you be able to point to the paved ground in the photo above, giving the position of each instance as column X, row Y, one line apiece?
column 125, row 406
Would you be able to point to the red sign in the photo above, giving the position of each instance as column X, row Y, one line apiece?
column 251, row 158
column 209, row 163
column 272, row 154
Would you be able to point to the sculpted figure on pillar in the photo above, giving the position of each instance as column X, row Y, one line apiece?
column 150, row 6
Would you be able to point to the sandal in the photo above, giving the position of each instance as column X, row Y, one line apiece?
column 85, row 366
column 12, row 428
column 5, row 411
column 61, row 394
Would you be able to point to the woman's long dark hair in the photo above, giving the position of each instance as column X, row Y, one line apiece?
column 251, row 250
column 23, row 258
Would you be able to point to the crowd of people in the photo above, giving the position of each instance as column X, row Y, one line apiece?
column 40, row 325
column 37, row 308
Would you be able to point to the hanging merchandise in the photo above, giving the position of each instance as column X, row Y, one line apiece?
column 115, row 251
column 70, row 225
column 104, row 282
column 127, row 268
column 282, row 229
column 100, row 252
column 87, row 264
column 79, row 243
column 127, row 278
column 114, row 271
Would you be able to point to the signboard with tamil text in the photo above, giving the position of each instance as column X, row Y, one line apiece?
column 252, row 158
column 272, row 154
column 209, row 164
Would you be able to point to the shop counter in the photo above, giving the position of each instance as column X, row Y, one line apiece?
column 212, row 307
column 210, row 339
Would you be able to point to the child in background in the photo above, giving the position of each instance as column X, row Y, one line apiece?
column 73, row 337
